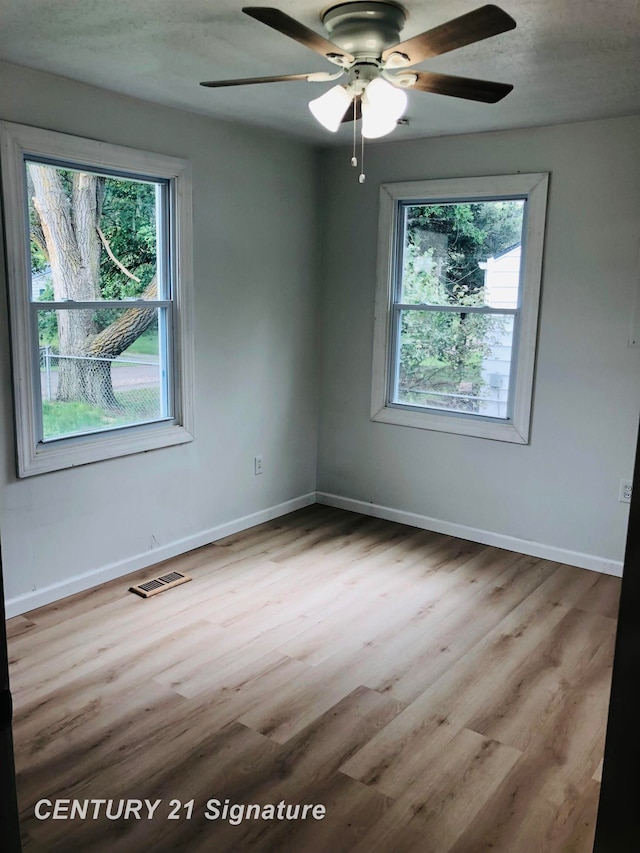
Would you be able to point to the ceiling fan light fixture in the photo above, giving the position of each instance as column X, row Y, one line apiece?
column 382, row 106
column 329, row 109
column 364, row 44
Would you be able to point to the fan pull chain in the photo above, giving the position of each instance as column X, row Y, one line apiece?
column 361, row 177
column 354, row 159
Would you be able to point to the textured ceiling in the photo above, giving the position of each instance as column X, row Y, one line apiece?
column 569, row 60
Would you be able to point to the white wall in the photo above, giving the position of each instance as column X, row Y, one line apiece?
column 257, row 220
column 558, row 496
column 255, row 300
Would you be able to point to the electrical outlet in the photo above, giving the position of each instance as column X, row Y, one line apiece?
column 625, row 491
column 257, row 465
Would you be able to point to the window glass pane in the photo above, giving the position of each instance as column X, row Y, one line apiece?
column 93, row 236
column 101, row 369
column 462, row 254
column 455, row 362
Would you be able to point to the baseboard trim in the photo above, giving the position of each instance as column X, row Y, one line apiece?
column 29, row 601
column 485, row 537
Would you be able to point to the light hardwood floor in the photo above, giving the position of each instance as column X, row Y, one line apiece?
column 435, row 695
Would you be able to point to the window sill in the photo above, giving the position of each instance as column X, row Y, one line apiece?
column 457, row 424
column 82, row 450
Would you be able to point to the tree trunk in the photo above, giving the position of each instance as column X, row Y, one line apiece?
column 117, row 337
column 69, row 226
column 69, row 218
column 110, row 343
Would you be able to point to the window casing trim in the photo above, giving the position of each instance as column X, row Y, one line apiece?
column 19, row 143
column 533, row 188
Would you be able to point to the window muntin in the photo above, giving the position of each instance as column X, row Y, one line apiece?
column 457, row 263
column 141, row 280
column 483, row 390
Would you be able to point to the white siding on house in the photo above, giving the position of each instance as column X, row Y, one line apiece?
column 39, row 282
column 501, row 278
column 501, row 282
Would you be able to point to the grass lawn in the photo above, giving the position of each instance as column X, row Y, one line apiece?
column 74, row 418
column 146, row 344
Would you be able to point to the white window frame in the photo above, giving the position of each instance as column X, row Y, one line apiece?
column 17, row 144
column 533, row 188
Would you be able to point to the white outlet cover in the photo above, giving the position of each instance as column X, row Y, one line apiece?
column 626, row 487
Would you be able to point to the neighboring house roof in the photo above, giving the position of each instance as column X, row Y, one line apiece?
column 43, row 275
column 506, row 251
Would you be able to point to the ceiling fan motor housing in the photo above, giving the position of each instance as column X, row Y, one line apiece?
column 365, row 28
column 366, row 46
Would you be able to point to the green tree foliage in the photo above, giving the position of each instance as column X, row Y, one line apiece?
column 128, row 226
column 472, row 232
column 47, row 321
column 38, row 257
column 98, row 234
column 444, row 245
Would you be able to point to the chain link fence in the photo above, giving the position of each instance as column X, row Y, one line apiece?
column 136, row 381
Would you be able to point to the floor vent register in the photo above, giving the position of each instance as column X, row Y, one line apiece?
column 159, row 584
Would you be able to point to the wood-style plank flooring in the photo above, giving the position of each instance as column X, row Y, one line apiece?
column 435, row 695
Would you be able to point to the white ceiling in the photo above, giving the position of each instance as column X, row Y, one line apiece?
column 569, row 60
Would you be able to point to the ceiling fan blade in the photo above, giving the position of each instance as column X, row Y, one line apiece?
column 474, row 26
column 461, row 87
column 217, row 84
column 349, row 115
column 294, row 29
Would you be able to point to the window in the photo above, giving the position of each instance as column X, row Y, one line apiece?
column 99, row 261
column 457, row 304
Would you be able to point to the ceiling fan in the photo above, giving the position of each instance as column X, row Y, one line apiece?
column 365, row 47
